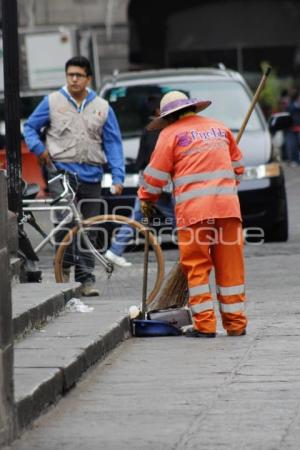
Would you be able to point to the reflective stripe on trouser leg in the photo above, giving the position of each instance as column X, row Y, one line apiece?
column 196, row 263
column 228, row 260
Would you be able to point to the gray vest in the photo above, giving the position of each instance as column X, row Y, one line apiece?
column 73, row 136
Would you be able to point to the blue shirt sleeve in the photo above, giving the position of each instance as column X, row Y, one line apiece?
column 33, row 127
column 113, row 148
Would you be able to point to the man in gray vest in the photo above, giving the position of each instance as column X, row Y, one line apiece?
column 82, row 133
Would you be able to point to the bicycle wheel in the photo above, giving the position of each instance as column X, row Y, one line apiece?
column 113, row 280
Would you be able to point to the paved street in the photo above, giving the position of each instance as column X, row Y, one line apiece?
column 178, row 393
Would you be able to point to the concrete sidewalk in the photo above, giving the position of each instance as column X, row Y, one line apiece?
column 178, row 393
column 54, row 347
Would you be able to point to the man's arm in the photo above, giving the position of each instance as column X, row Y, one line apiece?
column 32, row 131
column 112, row 145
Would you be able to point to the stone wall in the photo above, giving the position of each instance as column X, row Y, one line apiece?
column 6, row 339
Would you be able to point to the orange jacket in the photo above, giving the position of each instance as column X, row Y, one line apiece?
column 201, row 157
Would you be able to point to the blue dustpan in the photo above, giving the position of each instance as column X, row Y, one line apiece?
column 153, row 328
column 150, row 328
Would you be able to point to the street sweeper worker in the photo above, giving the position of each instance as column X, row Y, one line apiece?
column 205, row 164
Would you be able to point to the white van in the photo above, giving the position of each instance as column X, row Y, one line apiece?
column 262, row 190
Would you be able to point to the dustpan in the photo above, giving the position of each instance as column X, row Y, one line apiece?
column 150, row 328
column 153, row 328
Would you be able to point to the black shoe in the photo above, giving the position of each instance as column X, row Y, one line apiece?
column 237, row 333
column 198, row 334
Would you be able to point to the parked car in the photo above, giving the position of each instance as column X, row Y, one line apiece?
column 262, row 191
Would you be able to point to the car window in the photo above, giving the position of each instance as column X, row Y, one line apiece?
column 230, row 103
column 130, row 106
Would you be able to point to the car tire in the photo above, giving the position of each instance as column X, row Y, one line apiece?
column 280, row 230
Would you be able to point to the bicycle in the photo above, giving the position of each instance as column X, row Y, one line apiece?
column 106, row 226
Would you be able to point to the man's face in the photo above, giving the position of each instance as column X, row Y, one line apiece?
column 77, row 80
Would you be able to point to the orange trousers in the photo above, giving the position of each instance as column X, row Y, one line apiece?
column 214, row 243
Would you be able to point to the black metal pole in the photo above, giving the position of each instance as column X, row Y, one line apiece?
column 12, row 103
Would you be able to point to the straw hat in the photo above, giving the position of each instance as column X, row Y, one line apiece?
column 174, row 101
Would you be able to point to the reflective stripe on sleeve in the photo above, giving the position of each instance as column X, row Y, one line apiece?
column 231, row 290
column 155, row 173
column 152, row 189
column 195, row 177
column 200, row 289
column 215, row 190
column 232, row 308
column 200, row 307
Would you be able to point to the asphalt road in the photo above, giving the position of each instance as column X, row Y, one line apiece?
column 179, row 393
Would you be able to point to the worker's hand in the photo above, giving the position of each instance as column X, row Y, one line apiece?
column 45, row 160
column 116, row 189
column 148, row 209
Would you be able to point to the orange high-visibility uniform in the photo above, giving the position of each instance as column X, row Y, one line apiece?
column 215, row 243
column 201, row 157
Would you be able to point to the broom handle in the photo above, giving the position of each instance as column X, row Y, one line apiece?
column 254, row 101
column 145, row 275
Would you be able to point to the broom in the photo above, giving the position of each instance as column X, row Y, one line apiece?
column 174, row 292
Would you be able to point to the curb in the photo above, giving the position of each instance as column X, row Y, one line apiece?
column 41, row 313
column 62, row 379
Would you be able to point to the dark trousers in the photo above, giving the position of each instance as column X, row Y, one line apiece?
column 292, row 145
column 88, row 201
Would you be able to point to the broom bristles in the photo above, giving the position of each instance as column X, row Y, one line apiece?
column 174, row 292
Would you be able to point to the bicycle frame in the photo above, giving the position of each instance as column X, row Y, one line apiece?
column 48, row 207
column 73, row 215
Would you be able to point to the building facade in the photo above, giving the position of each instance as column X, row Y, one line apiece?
column 134, row 34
